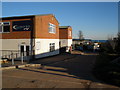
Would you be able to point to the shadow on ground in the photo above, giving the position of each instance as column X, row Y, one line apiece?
column 75, row 64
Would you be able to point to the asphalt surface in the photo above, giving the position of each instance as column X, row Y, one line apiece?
column 61, row 71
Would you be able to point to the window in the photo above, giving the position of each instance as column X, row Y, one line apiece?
column 38, row 45
column 4, row 26
column 52, row 28
column 52, row 47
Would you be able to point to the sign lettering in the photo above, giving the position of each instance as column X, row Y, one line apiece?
column 22, row 25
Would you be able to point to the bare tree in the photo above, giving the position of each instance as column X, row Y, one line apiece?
column 80, row 35
column 112, row 42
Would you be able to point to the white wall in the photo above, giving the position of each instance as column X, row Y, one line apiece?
column 69, row 42
column 42, row 47
column 13, row 44
column 64, row 42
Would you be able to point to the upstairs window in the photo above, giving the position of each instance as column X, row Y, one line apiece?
column 4, row 27
column 52, row 28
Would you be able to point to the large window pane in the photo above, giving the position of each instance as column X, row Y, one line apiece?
column 4, row 26
column 6, row 29
column 0, row 28
column 52, row 28
column 6, row 23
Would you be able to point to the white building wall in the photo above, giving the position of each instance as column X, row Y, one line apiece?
column 13, row 44
column 42, row 47
column 64, row 42
column 69, row 42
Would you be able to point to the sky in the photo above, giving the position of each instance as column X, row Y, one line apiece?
column 97, row 20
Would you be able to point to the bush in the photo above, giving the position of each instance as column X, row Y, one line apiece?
column 117, row 48
column 106, row 71
column 106, row 48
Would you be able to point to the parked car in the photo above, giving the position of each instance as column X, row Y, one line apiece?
column 79, row 48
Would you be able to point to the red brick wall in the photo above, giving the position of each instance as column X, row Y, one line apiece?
column 64, row 33
column 16, row 34
column 41, row 27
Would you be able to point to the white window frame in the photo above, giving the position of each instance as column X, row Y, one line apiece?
column 52, row 28
column 2, row 26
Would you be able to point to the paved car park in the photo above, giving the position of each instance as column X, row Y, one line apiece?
column 61, row 71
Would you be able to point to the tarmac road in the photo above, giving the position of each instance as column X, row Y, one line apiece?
column 61, row 71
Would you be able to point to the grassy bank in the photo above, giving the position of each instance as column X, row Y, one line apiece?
column 105, row 70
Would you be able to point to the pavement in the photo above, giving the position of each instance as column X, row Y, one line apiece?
column 61, row 71
column 9, row 63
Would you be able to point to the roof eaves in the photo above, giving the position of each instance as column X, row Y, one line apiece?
column 26, row 16
column 64, row 26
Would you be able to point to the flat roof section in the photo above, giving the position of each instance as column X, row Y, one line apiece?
column 62, row 27
column 26, row 16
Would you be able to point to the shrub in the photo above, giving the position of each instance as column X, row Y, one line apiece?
column 107, row 71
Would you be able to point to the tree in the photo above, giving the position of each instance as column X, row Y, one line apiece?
column 112, row 41
column 118, row 43
column 80, row 35
column 113, row 44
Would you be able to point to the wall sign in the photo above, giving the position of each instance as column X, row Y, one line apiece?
column 22, row 25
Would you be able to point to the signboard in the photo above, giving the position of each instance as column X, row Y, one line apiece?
column 22, row 25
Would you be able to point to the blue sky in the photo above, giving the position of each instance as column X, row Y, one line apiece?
column 97, row 20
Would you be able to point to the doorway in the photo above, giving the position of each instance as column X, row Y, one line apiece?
column 27, row 50
column 24, row 50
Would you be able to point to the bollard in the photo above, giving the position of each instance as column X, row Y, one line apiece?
column 12, row 58
column 22, row 58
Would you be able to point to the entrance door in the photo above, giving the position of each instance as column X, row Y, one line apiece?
column 27, row 50
column 22, row 49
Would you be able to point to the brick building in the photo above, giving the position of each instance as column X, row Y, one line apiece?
column 35, row 35
column 65, row 34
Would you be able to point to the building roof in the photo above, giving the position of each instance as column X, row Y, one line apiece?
column 26, row 16
column 64, row 26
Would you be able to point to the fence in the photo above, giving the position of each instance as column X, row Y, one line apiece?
column 13, row 55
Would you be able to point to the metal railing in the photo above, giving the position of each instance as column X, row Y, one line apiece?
column 13, row 55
